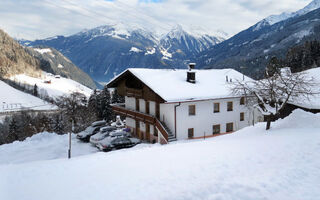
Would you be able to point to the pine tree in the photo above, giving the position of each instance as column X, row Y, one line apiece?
column 13, row 130
column 35, row 90
column 116, row 98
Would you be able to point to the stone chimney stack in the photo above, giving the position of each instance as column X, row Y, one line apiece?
column 191, row 74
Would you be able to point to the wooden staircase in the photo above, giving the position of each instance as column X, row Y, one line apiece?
column 165, row 132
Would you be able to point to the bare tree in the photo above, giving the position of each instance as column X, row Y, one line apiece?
column 279, row 87
column 73, row 106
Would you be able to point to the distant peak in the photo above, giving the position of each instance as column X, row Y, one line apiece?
column 273, row 19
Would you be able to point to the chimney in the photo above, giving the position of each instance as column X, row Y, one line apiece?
column 191, row 75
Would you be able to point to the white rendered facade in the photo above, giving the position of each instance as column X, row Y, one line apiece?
column 176, row 116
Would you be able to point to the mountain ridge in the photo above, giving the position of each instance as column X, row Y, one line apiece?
column 250, row 50
column 107, row 50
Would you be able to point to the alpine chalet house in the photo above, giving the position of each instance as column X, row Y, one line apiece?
column 163, row 105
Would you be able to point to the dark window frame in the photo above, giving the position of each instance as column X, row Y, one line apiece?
column 192, row 112
column 228, row 130
column 190, row 132
column 228, row 106
column 214, row 108
column 242, row 101
column 214, row 127
column 241, row 116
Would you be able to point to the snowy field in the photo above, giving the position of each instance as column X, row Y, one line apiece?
column 43, row 146
column 12, row 99
column 57, row 87
column 251, row 164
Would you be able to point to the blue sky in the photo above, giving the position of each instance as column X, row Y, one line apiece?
column 31, row 19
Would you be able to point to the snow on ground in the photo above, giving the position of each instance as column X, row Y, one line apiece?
column 166, row 54
column 150, row 51
column 135, row 49
column 42, row 51
column 43, row 146
column 57, row 87
column 12, row 99
column 251, row 164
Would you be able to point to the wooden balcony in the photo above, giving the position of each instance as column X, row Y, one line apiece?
column 121, row 110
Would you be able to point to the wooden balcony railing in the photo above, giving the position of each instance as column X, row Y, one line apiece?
column 121, row 110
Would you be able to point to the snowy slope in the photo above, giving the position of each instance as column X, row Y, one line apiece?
column 273, row 19
column 251, row 164
column 43, row 146
column 58, row 87
column 12, row 99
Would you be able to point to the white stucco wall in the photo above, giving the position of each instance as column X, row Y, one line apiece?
column 167, row 115
column 152, row 109
column 142, row 126
column 205, row 118
column 130, row 122
column 151, row 129
column 130, row 103
column 142, row 105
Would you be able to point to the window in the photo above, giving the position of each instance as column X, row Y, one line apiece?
column 242, row 116
column 216, row 129
column 230, row 106
column 229, row 127
column 192, row 110
column 242, row 101
column 216, row 107
column 190, row 133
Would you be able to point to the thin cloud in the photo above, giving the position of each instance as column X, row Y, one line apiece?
column 44, row 18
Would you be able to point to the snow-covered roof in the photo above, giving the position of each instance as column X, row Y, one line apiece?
column 171, row 85
column 314, row 101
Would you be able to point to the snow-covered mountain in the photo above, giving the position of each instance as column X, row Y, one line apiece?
column 273, row 19
column 179, row 41
column 54, row 62
column 250, row 50
column 108, row 50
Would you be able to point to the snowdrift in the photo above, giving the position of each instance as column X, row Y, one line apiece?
column 251, row 164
